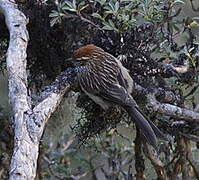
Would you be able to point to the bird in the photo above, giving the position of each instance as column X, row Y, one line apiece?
column 108, row 83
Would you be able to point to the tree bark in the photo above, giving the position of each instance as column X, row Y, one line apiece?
column 28, row 123
column 164, row 105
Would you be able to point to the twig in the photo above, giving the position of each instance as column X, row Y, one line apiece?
column 152, row 155
column 193, row 6
column 78, row 15
column 139, row 160
column 191, row 160
column 69, row 142
column 191, row 137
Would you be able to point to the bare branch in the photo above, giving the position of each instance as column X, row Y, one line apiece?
column 165, row 108
column 29, row 123
column 194, row 7
column 160, row 94
column 171, row 110
column 191, row 137
column 50, row 98
column 139, row 160
column 21, row 166
column 192, row 162
column 152, row 155
column 197, row 108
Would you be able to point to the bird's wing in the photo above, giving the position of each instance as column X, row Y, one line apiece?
column 117, row 94
column 121, row 80
column 114, row 87
column 107, row 83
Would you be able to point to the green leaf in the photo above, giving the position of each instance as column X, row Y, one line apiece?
column 108, row 8
column 111, row 23
column 69, row 9
column 96, row 15
column 127, row 17
column 132, row 21
column 191, row 49
column 74, row 4
column 54, row 21
column 112, row 6
column 129, row 6
column 107, row 26
column 102, row 2
column 117, row 6
column 81, row 4
column 69, row 4
column 61, row 5
column 66, row 7
column 54, row 14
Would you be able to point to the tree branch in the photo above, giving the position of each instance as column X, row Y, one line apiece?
column 171, row 110
column 50, row 98
column 20, row 167
column 29, row 123
column 152, row 155
column 165, row 108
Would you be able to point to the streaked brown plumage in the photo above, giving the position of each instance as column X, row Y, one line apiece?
column 106, row 81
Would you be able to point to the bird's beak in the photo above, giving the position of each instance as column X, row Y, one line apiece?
column 70, row 60
column 73, row 61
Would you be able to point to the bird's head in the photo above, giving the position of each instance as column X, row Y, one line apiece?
column 85, row 54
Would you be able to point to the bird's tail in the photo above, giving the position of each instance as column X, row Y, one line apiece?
column 147, row 127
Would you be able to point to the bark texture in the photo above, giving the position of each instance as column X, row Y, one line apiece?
column 28, row 123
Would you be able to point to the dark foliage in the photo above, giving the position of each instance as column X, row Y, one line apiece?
column 93, row 120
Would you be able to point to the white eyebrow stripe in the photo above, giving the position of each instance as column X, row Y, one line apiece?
column 84, row 58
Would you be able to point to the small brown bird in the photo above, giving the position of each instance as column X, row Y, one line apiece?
column 107, row 82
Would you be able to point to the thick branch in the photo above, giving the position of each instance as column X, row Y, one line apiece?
column 165, row 108
column 160, row 94
column 21, row 162
column 172, row 110
column 29, row 124
column 50, row 98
